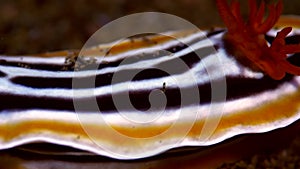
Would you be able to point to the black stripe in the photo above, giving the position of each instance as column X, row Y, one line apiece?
column 2, row 74
column 89, row 81
column 214, row 32
column 163, row 69
column 37, row 66
column 295, row 39
column 236, row 88
column 17, row 102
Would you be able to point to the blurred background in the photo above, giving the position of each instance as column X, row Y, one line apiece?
column 35, row 26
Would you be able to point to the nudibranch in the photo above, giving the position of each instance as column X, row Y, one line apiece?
column 37, row 92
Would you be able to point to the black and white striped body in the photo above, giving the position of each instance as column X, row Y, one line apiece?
column 43, row 99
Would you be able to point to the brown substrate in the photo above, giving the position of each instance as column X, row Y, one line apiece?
column 288, row 157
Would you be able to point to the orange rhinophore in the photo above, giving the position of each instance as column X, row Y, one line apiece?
column 248, row 42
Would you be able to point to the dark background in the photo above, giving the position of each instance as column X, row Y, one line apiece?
column 35, row 26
